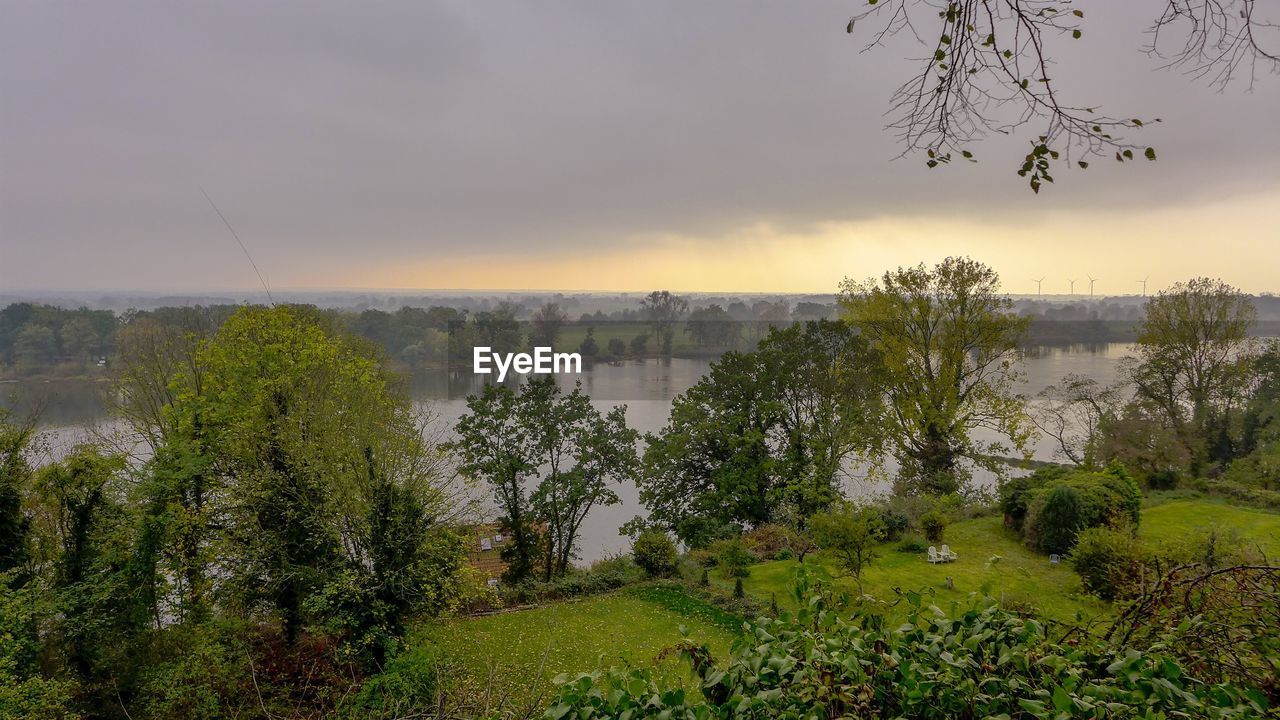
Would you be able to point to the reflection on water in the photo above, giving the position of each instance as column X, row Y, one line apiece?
column 645, row 386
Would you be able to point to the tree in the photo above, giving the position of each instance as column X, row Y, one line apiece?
column 1194, row 355
column 829, row 386
column 764, row 434
column 294, row 409
column 639, row 344
column 497, row 329
column 35, row 346
column 990, row 68
column 84, row 496
column 712, row 327
column 589, row 348
column 850, row 534
column 16, row 443
column 655, row 553
column 494, row 447
column 617, row 347
column 949, row 346
column 79, row 338
column 547, row 322
column 573, row 452
column 1073, row 412
column 662, row 310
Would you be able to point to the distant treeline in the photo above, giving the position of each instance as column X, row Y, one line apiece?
column 38, row 339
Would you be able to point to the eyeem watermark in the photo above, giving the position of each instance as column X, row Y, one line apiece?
column 543, row 361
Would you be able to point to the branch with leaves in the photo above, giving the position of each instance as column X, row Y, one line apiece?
column 990, row 70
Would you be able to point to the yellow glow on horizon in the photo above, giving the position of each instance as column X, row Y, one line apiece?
column 1237, row 239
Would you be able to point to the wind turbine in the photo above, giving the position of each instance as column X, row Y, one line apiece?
column 1144, row 285
column 1039, row 286
column 1092, row 280
column 1073, row 285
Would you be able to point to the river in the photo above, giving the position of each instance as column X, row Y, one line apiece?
column 72, row 408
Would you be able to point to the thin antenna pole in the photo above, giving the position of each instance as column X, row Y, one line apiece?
column 243, row 249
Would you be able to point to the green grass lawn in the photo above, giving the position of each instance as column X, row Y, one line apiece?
column 1180, row 518
column 523, row 650
column 990, row 556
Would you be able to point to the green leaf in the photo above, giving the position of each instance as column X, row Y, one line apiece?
column 1150, row 153
column 1076, row 34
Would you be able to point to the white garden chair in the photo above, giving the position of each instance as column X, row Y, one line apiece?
column 934, row 557
column 947, row 555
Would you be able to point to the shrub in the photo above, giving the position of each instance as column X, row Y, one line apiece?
column 784, row 554
column 617, row 347
column 1059, row 519
column 655, row 552
column 734, row 557
column 895, row 523
column 913, row 544
column 768, row 539
column 820, row 663
column 1062, row 503
column 933, row 524
column 1106, row 560
column 737, row 587
column 1162, row 480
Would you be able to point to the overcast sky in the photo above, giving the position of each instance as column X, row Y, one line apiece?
column 577, row 145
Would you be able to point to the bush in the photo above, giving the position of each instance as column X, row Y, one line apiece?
column 1059, row 519
column 1106, row 560
column 784, row 554
column 913, row 544
column 895, row 523
column 1059, row 504
column 655, row 553
column 617, row 347
column 770, row 538
column 734, row 557
column 817, row 662
column 1162, row 480
column 408, row 686
column 933, row 524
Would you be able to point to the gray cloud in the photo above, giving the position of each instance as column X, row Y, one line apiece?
column 366, row 133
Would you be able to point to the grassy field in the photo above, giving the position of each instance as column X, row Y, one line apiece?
column 990, row 556
column 524, row 650
column 1181, row 518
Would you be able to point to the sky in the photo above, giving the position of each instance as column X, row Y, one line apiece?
column 713, row 146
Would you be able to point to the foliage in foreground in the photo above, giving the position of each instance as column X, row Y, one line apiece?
column 979, row 661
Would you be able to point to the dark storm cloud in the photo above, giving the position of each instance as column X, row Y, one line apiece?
column 370, row 132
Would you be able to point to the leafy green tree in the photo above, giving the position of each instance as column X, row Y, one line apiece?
column 850, row 534
column 574, row 453
column 35, row 346
column 764, row 434
column 289, row 407
column 1193, row 363
column 494, row 446
column 79, row 338
column 639, row 344
column 89, row 525
column 948, row 340
column 16, row 443
column 655, row 553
